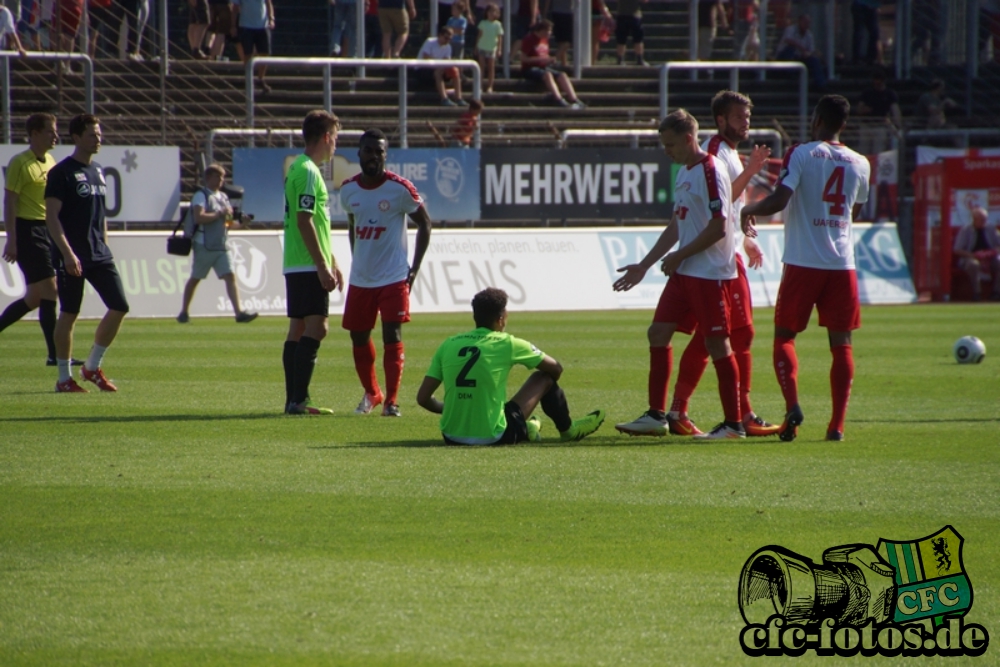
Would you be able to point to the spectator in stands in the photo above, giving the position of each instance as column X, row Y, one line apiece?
column 28, row 20
column 864, row 15
column 458, row 22
column 8, row 26
column 127, row 16
column 222, row 28
column 932, row 105
column 488, row 44
column 439, row 48
column 66, row 24
column 373, row 31
column 750, row 29
column 560, row 12
column 141, row 19
column 444, row 13
column 345, row 18
column 797, row 43
column 878, row 103
column 536, row 65
column 989, row 28
column 99, row 17
column 255, row 20
column 394, row 19
column 465, row 127
column 628, row 22
column 525, row 16
column 976, row 249
column 198, row 27
column 711, row 17
column 602, row 25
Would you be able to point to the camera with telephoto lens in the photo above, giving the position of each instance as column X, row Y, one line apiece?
column 852, row 585
column 238, row 214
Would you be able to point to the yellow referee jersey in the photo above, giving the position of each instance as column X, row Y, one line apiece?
column 26, row 176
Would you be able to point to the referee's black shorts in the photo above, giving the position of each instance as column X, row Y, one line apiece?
column 34, row 250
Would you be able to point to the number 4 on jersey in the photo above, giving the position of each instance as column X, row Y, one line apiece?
column 833, row 192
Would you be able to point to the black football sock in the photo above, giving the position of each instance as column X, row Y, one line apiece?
column 47, row 320
column 288, row 361
column 305, row 362
column 14, row 312
column 554, row 405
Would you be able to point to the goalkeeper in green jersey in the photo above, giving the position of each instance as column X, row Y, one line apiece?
column 473, row 368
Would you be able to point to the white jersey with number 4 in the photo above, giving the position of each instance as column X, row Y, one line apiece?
column 826, row 179
column 380, row 249
column 703, row 192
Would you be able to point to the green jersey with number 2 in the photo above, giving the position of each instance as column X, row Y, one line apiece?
column 305, row 191
column 473, row 368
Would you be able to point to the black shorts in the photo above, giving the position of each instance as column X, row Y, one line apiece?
column 628, row 25
column 255, row 38
column 562, row 27
column 305, row 295
column 198, row 15
column 106, row 281
column 516, row 431
column 34, row 250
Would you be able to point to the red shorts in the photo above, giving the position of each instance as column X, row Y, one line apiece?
column 365, row 303
column 686, row 299
column 69, row 16
column 740, row 304
column 833, row 292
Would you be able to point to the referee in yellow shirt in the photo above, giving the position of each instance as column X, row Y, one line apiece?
column 28, row 241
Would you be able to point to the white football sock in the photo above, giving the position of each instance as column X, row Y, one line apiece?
column 96, row 357
column 65, row 369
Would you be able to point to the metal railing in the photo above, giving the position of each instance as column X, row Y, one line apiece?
column 5, row 56
column 289, row 134
column 635, row 134
column 402, row 64
column 734, row 84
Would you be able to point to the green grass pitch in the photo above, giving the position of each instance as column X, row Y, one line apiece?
column 185, row 521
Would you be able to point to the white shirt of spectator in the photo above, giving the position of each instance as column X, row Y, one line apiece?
column 380, row 250
column 434, row 50
column 827, row 180
column 6, row 26
column 703, row 192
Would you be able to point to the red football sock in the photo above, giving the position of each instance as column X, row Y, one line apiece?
column 660, row 361
column 392, row 361
column 786, row 367
column 364, row 364
column 841, row 377
column 728, row 372
column 741, row 340
column 689, row 372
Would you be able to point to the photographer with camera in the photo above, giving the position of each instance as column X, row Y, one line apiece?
column 208, row 222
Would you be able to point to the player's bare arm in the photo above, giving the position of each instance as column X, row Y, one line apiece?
column 329, row 276
column 550, row 367
column 755, row 255
column 423, row 220
column 52, row 208
column 769, row 205
column 425, row 395
column 10, row 225
column 634, row 273
column 714, row 232
column 758, row 158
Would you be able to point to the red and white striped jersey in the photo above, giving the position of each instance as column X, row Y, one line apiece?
column 703, row 192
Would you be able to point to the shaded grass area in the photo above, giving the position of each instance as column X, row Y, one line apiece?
column 185, row 521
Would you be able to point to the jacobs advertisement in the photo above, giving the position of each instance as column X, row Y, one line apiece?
column 541, row 269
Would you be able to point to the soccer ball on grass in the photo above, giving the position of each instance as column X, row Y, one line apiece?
column 969, row 350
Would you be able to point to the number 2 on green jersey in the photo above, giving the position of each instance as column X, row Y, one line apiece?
column 463, row 379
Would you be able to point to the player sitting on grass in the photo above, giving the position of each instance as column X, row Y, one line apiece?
column 473, row 367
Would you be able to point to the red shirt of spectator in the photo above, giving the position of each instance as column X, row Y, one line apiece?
column 533, row 46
